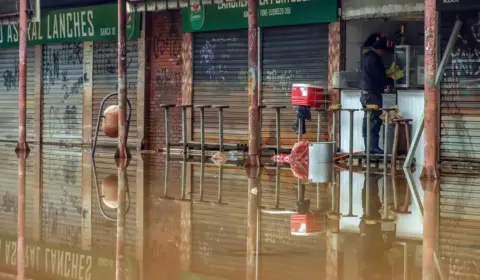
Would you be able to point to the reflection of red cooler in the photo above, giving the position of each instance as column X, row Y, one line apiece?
column 307, row 95
column 306, row 224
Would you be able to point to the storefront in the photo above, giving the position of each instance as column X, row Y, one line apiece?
column 62, row 53
column 402, row 23
column 459, row 107
column 293, row 48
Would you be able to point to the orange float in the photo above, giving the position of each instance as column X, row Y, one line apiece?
column 110, row 121
column 110, row 191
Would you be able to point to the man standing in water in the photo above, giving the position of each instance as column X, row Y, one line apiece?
column 372, row 84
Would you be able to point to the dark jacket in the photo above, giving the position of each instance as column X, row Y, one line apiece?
column 373, row 78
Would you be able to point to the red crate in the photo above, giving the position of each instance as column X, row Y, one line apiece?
column 307, row 95
column 305, row 223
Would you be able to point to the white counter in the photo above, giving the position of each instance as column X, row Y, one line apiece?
column 410, row 104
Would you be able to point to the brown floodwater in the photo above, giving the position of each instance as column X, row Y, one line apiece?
column 171, row 218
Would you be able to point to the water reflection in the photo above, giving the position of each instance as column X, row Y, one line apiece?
column 163, row 217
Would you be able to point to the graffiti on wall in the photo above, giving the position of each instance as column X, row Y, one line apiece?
column 167, row 47
column 10, row 77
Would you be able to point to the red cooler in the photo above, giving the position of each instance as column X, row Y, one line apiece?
column 307, row 95
column 305, row 224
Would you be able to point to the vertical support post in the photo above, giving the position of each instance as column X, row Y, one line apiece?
column 335, row 112
column 22, row 81
column 22, row 169
column 350, row 166
column 254, row 185
column 430, row 224
column 37, row 195
column 431, row 97
column 184, row 129
column 122, row 81
column 334, row 50
column 202, row 129
column 121, row 198
column 167, row 131
column 367, row 172
column 140, row 213
column 220, row 128
column 253, row 115
column 141, row 83
column 187, row 92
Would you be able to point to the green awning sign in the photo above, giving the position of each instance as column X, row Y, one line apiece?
column 65, row 263
column 91, row 23
column 234, row 15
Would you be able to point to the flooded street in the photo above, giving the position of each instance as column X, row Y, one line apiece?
column 197, row 220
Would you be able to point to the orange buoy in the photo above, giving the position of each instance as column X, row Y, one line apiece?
column 110, row 121
column 110, row 191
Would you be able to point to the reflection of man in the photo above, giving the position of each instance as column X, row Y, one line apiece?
column 372, row 85
column 372, row 259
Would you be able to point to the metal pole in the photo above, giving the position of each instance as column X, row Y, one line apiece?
column 335, row 132
column 184, row 129
column 167, row 132
column 22, row 158
column 220, row 128
column 367, row 173
column 350, row 167
column 120, row 246
column 202, row 129
column 122, row 81
column 22, row 82
column 253, row 114
column 431, row 97
column 319, row 126
column 277, row 123
column 254, row 186
column 300, row 130
column 385, row 165
column 277, row 186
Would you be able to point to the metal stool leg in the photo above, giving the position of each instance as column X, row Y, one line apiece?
column 300, row 130
column 167, row 132
column 184, row 129
column 277, row 123
column 220, row 128
column 319, row 126
column 202, row 129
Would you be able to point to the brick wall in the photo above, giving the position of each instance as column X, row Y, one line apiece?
column 164, row 55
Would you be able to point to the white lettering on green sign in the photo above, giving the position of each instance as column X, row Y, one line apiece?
column 70, row 25
column 69, row 265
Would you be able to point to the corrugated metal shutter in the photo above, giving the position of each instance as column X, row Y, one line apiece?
column 291, row 54
column 9, row 97
column 9, row 191
column 276, row 241
column 220, row 232
column 460, row 106
column 220, row 63
column 459, row 226
column 62, row 200
column 63, row 81
column 104, row 230
column 105, row 81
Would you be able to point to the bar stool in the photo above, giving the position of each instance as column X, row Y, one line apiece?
column 277, row 123
column 184, row 125
column 202, row 177
column 219, row 201
column 165, row 182
column 167, row 130
column 202, row 125
column 406, row 124
column 220, row 124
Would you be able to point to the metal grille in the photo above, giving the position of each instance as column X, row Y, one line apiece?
column 9, row 96
column 63, row 81
column 292, row 54
column 220, row 232
column 460, row 91
column 220, row 63
column 9, row 191
column 104, row 230
column 459, row 227
column 105, row 81
column 62, row 201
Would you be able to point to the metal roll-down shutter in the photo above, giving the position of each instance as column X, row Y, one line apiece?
column 105, row 81
column 291, row 54
column 219, row 232
column 220, row 77
column 63, row 81
column 62, row 200
column 460, row 90
column 9, row 98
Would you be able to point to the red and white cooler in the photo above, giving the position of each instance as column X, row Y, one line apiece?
column 308, row 95
column 306, row 224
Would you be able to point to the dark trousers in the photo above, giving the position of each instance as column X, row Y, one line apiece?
column 375, row 121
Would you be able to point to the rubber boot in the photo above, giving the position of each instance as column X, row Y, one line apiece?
column 374, row 148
